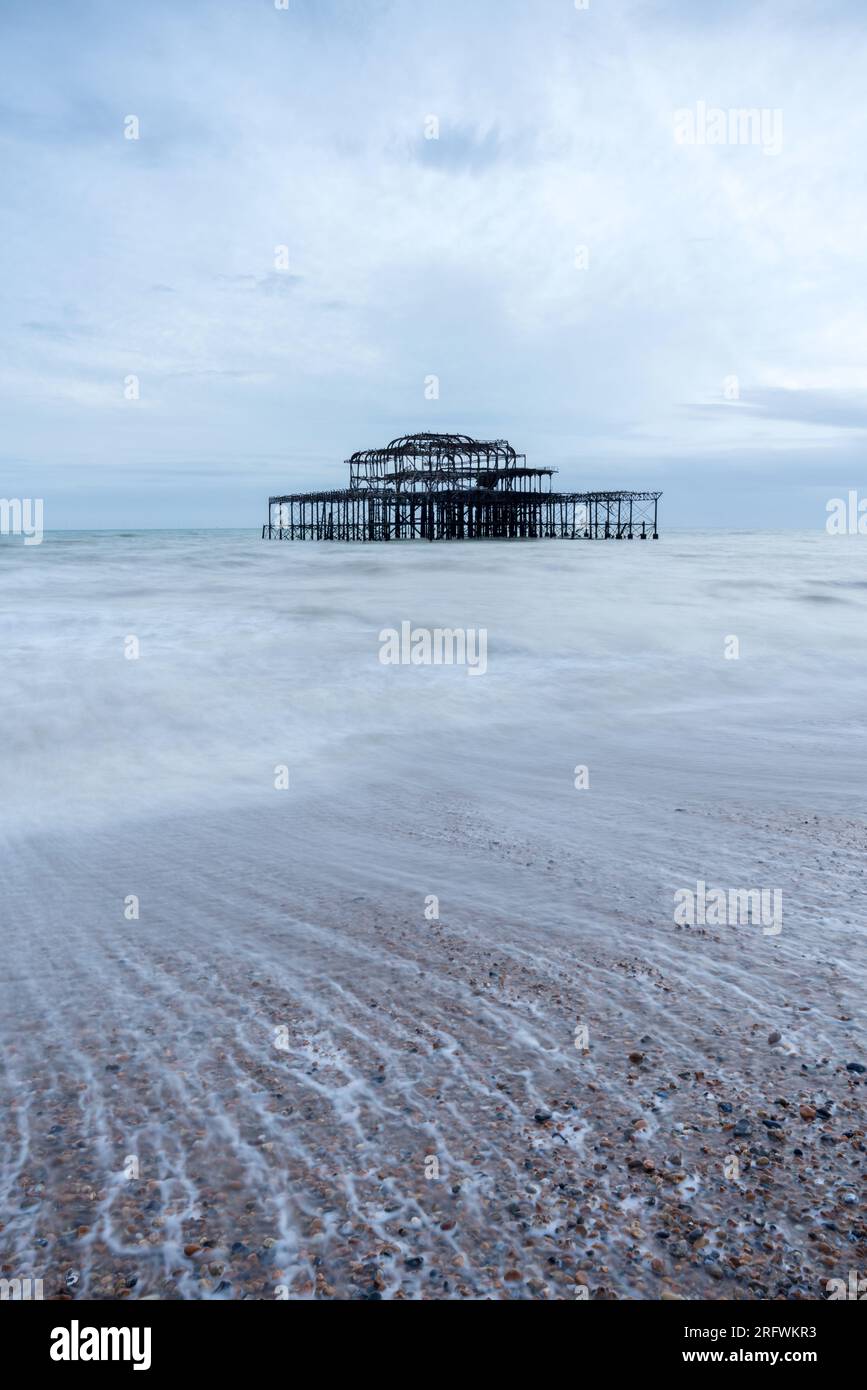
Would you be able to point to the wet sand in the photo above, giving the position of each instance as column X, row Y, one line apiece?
column 327, row 1095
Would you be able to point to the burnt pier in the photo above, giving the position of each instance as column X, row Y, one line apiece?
column 450, row 487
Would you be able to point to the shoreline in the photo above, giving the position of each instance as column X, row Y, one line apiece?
column 284, row 1074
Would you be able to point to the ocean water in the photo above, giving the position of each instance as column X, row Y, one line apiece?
column 233, row 1014
column 253, row 654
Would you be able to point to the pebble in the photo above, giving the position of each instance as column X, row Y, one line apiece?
column 572, row 1211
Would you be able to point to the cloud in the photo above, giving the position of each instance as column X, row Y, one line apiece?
column 576, row 280
column 458, row 148
column 837, row 409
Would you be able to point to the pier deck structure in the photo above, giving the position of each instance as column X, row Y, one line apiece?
column 450, row 487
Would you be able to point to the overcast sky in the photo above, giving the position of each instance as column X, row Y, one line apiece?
column 710, row 340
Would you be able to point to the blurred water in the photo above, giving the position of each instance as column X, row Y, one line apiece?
column 304, row 910
column 256, row 654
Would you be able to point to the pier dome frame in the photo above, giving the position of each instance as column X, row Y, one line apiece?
column 432, row 486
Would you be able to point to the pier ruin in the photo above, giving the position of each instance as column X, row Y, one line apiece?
column 451, row 487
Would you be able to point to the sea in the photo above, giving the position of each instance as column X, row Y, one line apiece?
column 285, row 924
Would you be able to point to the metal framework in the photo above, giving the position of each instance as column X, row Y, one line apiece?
column 450, row 487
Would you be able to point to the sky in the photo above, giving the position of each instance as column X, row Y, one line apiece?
column 341, row 222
